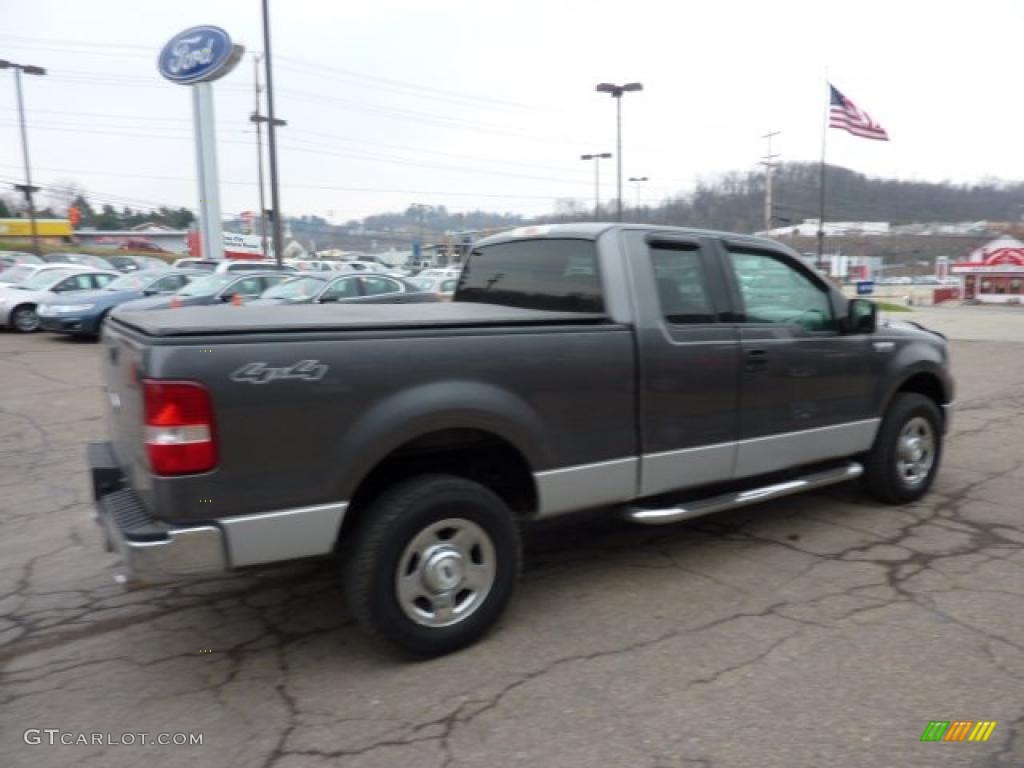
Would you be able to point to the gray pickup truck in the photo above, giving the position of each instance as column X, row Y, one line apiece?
column 657, row 372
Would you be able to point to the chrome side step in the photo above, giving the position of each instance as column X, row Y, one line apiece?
column 700, row 507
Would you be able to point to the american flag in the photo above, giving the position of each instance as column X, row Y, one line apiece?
column 844, row 114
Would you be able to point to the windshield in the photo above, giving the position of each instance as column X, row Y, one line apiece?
column 17, row 274
column 45, row 279
column 129, row 283
column 206, row 286
column 299, row 288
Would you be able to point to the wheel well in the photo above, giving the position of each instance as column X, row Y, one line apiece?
column 926, row 384
column 470, row 453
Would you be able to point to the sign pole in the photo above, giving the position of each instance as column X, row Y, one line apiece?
column 206, row 165
column 196, row 57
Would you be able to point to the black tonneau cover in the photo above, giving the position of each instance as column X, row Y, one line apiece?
column 227, row 319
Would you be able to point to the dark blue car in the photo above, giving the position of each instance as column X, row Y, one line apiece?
column 82, row 314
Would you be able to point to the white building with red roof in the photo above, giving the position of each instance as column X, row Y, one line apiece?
column 994, row 273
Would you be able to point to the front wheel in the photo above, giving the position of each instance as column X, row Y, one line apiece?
column 902, row 464
column 434, row 564
column 24, row 319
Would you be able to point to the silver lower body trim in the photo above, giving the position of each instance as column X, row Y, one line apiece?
column 585, row 486
column 761, row 455
column 686, row 468
column 690, row 510
column 288, row 534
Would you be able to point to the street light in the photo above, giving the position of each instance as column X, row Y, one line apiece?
column 616, row 91
column 597, row 158
column 27, row 187
column 638, row 180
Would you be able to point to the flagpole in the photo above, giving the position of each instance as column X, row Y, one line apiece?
column 821, row 174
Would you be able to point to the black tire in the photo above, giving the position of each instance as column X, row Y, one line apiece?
column 395, row 522
column 99, row 325
column 24, row 319
column 883, row 477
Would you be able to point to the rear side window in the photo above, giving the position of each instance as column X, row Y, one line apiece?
column 679, row 280
column 554, row 275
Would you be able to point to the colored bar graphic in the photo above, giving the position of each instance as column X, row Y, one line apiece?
column 982, row 730
column 958, row 730
column 935, row 730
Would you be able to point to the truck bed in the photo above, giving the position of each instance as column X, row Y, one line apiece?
column 226, row 320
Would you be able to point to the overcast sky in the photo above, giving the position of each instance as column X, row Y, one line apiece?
column 489, row 105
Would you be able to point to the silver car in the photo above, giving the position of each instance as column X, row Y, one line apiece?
column 19, row 302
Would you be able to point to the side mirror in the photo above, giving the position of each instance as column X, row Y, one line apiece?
column 861, row 316
column 150, row 292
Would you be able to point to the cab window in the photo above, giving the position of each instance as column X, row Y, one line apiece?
column 780, row 293
column 681, row 287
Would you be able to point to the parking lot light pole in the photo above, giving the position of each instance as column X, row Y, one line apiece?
column 27, row 187
column 637, row 181
column 616, row 91
column 597, row 158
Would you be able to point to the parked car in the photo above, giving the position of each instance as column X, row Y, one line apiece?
column 449, row 272
column 580, row 366
column 85, row 314
column 135, row 263
column 83, row 259
column 210, row 289
column 442, row 287
column 355, row 265
column 313, row 265
column 19, row 302
column 10, row 259
column 317, row 288
column 190, row 262
column 22, row 272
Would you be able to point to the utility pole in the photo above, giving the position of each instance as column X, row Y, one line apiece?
column 256, row 118
column 275, row 198
column 768, row 161
column 27, row 187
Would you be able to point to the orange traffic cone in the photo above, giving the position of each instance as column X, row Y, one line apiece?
column 175, row 302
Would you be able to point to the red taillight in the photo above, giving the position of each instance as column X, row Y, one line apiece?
column 180, row 437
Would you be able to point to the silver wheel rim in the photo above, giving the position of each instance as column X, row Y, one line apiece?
column 915, row 451
column 445, row 573
column 26, row 320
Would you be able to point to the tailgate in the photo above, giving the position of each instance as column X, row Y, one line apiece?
column 122, row 372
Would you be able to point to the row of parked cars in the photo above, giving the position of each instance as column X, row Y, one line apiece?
column 73, row 298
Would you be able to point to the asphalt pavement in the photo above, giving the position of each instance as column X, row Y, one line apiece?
column 823, row 630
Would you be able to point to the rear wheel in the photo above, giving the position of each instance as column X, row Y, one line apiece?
column 902, row 463
column 434, row 564
column 24, row 319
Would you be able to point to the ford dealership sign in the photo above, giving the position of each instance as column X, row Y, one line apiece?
column 198, row 54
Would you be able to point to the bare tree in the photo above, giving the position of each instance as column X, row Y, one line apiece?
column 61, row 194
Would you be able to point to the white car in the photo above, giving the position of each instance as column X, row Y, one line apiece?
column 18, row 303
column 449, row 272
column 22, row 272
column 355, row 265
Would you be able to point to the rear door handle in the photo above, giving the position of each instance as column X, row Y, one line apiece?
column 757, row 359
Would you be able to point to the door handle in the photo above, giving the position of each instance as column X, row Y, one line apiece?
column 757, row 359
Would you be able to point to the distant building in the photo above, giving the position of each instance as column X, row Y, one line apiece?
column 809, row 228
column 994, row 273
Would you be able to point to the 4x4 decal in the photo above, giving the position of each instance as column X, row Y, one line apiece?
column 261, row 373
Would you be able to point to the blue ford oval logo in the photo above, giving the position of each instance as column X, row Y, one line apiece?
column 198, row 54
